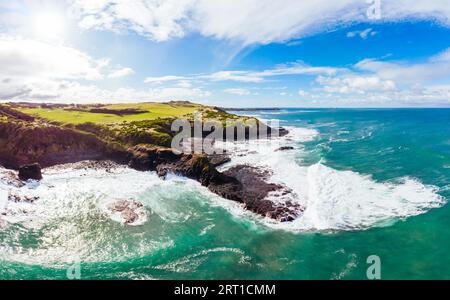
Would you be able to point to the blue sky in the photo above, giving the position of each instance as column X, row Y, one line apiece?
column 247, row 53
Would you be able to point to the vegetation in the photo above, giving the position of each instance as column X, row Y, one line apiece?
column 81, row 114
column 125, row 124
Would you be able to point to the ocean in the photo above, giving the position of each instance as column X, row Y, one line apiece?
column 372, row 181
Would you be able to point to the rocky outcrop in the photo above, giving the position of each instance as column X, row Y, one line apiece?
column 256, row 189
column 20, row 198
column 243, row 184
column 285, row 148
column 219, row 159
column 130, row 212
column 24, row 143
column 32, row 171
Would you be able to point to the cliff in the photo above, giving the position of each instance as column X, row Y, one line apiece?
column 141, row 144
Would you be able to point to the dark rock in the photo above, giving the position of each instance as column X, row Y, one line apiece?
column 282, row 131
column 244, row 184
column 32, row 171
column 286, row 148
column 49, row 145
column 129, row 216
column 217, row 160
column 256, row 189
column 17, row 198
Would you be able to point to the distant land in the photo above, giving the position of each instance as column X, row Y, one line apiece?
column 138, row 135
column 250, row 109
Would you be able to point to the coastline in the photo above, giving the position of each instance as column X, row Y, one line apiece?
column 49, row 145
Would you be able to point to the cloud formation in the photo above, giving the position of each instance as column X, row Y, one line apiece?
column 33, row 70
column 247, row 76
column 124, row 72
column 355, row 84
column 237, row 91
column 364, row 34
column 246, row 21
column 412, row 73
column 21, row 57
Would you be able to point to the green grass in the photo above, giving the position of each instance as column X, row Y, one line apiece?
column 154, row 111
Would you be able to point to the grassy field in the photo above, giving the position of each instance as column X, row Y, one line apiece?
column 120, row 124
column 152, row 111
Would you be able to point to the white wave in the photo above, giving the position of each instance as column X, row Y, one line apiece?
column 334, row 200
column 193, row 261
column 70, row 221
column 348, row 200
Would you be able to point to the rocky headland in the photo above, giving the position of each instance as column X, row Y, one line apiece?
column 28, row 143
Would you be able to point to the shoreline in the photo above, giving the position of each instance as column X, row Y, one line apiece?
column 243, row 184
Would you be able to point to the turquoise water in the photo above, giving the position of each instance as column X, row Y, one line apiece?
column 374, row 182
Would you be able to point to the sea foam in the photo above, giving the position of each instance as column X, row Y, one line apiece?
column 333, row 199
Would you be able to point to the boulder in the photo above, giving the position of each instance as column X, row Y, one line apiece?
column 256, row 189
column 129, row 216
column 244, row 184
column 32, row 171
column 285, row 148
column 130, row 212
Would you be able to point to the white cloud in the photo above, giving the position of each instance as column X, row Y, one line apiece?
column 34, row 70
column 250, row 76
column 247, row 21
column 121, row 73
column 180, row 93
column 237, row 91
column 241, row 76
column 63, row 91
column 163, row 79
column 302, row 93
column 184, row 84
column 437, row 67
column 355, row 84
column 29, row 58
column 157, row 20
column 364, row 34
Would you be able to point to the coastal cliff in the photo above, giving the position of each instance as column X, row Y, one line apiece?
column 144, row 145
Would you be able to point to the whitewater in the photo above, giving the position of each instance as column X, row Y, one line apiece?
column 69, row 220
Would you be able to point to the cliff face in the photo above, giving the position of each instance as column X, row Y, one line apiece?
column 243, row 184
column 24, row 143
column 26, row 140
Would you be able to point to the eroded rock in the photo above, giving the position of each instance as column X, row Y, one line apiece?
column 285, row 148
column 256, row 190
column 32, row 171
column 19, row 198
column 129, row 212
column 244, row 184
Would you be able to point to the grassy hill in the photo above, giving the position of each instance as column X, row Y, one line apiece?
column 104, row 114
column 57, row 133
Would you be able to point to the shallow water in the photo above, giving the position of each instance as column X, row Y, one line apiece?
column 374, row 182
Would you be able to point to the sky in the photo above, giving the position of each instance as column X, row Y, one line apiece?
column 230, row 53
